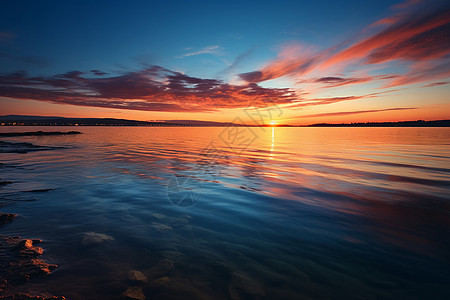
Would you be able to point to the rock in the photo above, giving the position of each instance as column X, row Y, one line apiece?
column 158, row 216
column 159, row 282
column 5, row 182
column 241, row 286
column 160, row 269
column 161, row 227
column 133, row 292
column 11, row 147
column 134, row 275
column 37, row 133
column 19, row 262
column 5, row 218
column 93, row 238
column 22, row 296
column 39, row 191
column 28, row 248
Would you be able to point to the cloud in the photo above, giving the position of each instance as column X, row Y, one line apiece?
column 236, row 62
column 406, row 4
column 421, row 73
column 410, row 37
column 339, row 81
column 345, row 113
column 293, row 60
column 98, row 72
column 437, row 83
column 214, row 49
column 151, row 89
column 330, row 100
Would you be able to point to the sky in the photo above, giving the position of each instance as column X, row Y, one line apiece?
column 294, row 62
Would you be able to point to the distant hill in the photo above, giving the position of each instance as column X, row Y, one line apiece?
column 21, row 120
column 418, row 123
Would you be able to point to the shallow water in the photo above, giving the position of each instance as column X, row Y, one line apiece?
column 267, row 213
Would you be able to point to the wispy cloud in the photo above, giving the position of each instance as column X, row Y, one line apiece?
column 236, row 62
column 437, row 83
column 214, row 49
column 345, row 113
column 410, row 37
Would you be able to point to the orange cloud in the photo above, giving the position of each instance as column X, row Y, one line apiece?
column 345, row 113
column 413, row 37
column 151, row 89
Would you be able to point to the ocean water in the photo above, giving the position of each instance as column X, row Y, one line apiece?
column 243, row 213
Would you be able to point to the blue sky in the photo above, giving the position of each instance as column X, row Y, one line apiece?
column 219, row 41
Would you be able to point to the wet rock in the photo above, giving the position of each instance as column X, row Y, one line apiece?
column 22, row 296
column 27, row 248
column 39, row 191
column 19, row 260
column 133, row 292
column 11, row 147
column 37, row 133
column 5, row 218
column 158, row 216
column 159, row 282
column 241, row 287
column 138, row 276
column 93, row 238
column 161, row 227
column 5, row 182
column 160, row 269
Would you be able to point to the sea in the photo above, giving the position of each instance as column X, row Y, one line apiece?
column 240, row 212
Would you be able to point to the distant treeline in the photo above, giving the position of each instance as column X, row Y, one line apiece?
column 418, row 123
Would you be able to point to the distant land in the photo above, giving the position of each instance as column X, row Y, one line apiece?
column 418, row 123
column 21, row 120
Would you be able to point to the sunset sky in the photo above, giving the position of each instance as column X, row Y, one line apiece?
column 317, row 61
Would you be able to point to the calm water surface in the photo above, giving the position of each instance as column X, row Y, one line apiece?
column 283, row 213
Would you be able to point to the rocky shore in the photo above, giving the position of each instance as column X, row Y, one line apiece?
column 37, row 133
column 20, row 258
column 20, row 262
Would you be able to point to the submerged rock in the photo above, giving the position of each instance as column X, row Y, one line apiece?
column 5, row 218
column 158, row 216
column 138, row 276
column 161, row 227
column 160, row 269
column 159, row 282
column 93, row 238
column 241, row 287
column 133, row 292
